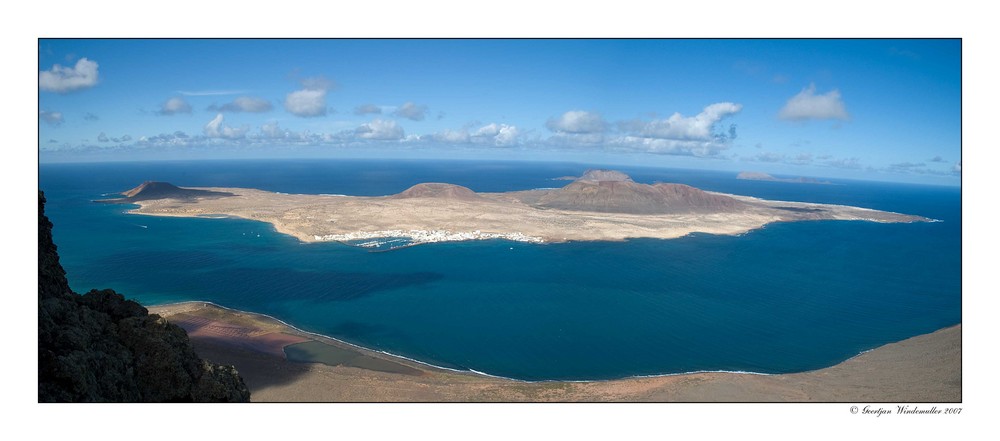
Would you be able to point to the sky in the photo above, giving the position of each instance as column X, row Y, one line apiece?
column 871, row 109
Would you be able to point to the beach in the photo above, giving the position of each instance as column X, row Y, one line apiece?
column 925, row 368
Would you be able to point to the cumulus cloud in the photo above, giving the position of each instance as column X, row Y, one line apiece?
column 808, row 105
column 667, row 146
column 680, row 135
column 937, row 159
column 492, row 134
column 311, row 99
column 102, row 138
column 366, row 109
column 243, row 104
column 216, row 128
column 272, row 131
column 507, row 136
column 411, row 111
column 380, row 129
column 698, row 127
column 576, row 122
column 52, row 118
column 452, row 136
column 174, row 106
column 62, row 79
column 500, row 135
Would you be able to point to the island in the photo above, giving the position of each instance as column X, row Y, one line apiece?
column 601, row 205
column 758, row 176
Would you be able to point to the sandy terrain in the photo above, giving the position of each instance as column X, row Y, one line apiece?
column 926, row 368
column 312, row 218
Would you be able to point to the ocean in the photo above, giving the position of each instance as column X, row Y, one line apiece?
column 790, row 297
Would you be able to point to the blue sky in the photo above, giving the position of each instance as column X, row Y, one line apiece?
column 857, row 109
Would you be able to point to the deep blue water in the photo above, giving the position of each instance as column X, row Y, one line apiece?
column 790, row 297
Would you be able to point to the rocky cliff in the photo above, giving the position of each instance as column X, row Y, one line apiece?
column 103, row 347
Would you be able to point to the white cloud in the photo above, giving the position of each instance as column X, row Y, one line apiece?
column 452, row 136
column 679, row 134
column 807, row 105
column 957, row 168
column 243, row 104
column 500, row 135
column 61, row 79
column 102, row 138
column 174, row 106
column 577, row 121
column 311, row 100
column 507, row 136
column 366, row 109
column 271, row 130
column 668, row 146
column 217, row 129
column 380, row 129
column 698, row 127
column 411, row 111
column 576, row 139
column 52, row 118
column 306, row 103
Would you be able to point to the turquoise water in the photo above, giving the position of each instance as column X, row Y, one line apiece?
column 787, row 298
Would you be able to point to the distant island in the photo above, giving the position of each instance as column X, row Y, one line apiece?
column 152, row 190
column 758, row 176
column 600, row 205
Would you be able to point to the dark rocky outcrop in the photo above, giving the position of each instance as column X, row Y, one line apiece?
column 102, row 347
column 150, row 190
column 612, row 191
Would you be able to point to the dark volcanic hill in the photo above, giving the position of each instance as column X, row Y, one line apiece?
column 150, row 190
column 437, row 190
column 102, row 347
column 611, row 191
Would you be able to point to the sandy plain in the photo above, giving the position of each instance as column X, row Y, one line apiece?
column 316, row 218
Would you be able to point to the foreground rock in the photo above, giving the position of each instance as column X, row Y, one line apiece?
column 102, row 347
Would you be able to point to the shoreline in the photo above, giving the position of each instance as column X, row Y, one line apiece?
column 438, row 383
column 167, row 306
